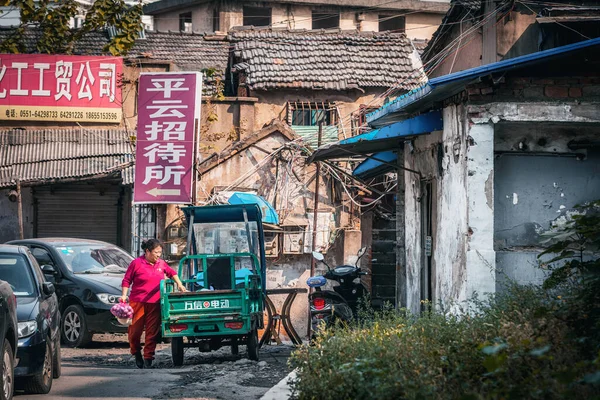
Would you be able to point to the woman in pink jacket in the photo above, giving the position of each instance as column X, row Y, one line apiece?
column 143, row 276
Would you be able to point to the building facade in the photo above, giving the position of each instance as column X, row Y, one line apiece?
column 419, row 19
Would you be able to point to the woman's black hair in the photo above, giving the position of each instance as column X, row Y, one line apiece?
column 151, row 244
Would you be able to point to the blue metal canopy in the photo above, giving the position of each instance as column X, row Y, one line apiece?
column 269, row 215
column 445, row 86
column 377, row 164
column 385, row 138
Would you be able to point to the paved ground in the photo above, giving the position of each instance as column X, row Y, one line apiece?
column 106, row 371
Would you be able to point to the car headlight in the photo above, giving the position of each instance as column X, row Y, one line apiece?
column 108, row 298
column 27, row 328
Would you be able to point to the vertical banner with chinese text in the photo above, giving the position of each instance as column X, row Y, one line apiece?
column 169, row 106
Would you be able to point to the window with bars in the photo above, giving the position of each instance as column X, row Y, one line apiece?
column 304, row 118
column 312, row 113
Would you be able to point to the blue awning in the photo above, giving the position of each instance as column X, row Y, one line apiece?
column 377, row 164
column 445, row 86
column 385, row 138
column 269, row 215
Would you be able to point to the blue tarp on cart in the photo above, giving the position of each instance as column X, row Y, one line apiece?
column 269, row 215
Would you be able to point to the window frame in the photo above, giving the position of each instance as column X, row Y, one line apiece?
column 246, row 21
column 183, row 20
column 318, row 16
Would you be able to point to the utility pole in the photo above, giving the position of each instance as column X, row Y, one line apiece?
column 20, row 209
column 313, row 263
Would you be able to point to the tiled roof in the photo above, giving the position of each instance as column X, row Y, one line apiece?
column 35, row 156
column 189, row 51
column 337, row 60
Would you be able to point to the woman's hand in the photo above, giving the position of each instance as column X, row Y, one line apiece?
column 123, row 299
column 182, row 288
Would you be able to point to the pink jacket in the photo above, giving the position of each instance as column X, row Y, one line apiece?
column 145, row 279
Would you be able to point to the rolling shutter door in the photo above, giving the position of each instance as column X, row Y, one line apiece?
column 77, row 212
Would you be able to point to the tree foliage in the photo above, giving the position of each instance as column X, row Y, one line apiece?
column 574, row 241
column 52, row 18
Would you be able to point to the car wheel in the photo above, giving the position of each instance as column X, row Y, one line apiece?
column 73, row 326
column 42, row 382
column 57, row 370
column 177, row 351
column 7, row 372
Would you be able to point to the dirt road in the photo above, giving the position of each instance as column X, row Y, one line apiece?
column 106, row 371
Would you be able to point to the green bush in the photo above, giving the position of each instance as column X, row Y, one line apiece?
column 518, row 345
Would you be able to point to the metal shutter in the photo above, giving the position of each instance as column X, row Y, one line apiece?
column 77, row 212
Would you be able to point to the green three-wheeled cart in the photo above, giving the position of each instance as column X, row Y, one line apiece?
column 224, row 271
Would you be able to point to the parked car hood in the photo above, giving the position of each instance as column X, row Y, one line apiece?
column 109, row 282
column 27, row 308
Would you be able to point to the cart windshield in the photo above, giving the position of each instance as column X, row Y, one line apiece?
column 226, row 238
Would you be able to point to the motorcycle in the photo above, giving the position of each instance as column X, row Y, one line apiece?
column 340, row 304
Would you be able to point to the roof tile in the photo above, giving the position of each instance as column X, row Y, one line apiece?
column 331, row 59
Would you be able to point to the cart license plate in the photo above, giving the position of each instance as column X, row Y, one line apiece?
column 201, row 305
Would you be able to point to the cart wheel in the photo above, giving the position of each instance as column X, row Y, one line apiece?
column 235, row 349
column 253, row 345
column 177, row 351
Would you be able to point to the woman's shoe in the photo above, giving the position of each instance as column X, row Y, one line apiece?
column 147, row 363
column 139, row 361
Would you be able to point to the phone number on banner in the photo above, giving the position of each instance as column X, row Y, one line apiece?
column 55, row 114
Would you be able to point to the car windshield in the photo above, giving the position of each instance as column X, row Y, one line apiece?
column 15, row 271
column 93, row 258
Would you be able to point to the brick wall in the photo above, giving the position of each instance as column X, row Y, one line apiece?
column 546, row 89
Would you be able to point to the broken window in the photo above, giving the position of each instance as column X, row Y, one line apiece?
column 185, row 22
column 257, row 16
column 394, row 23
column 325, row 20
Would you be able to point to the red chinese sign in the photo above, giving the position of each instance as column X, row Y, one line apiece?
column 39, row 87
column 168, row 112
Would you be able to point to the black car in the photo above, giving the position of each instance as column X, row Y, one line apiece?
column 38, row 350
column 87, row 275
column 8, row 339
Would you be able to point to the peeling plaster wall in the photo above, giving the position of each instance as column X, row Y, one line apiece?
column 449, row 217
column 481, row 258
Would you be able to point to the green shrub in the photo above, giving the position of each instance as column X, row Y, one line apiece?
column 518, row 345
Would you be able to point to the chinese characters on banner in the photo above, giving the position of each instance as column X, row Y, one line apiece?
column 40, row 87
column 168, row 111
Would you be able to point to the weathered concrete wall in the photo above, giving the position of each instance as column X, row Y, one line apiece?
column 442, row 158
column 469, row 55
column 293, row 16
column 421, row 25
column 201, row 19
column 539, row 178
column 480, row 262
